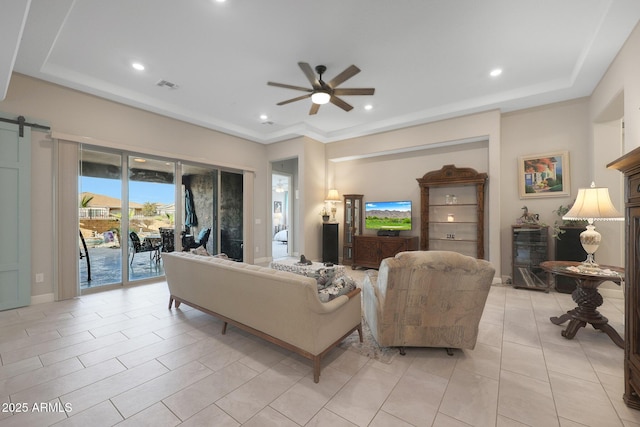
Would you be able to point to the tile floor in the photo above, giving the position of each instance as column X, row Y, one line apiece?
column 121, row 357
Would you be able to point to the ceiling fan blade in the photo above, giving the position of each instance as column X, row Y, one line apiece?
column 340, row 103
column 314, row 109
column 354, row 91
column 311, row 76
column 288, row 101
column 346, row 74
column 306, row 89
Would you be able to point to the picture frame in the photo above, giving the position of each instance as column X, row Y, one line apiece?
column 277, row 207
column 544, row 175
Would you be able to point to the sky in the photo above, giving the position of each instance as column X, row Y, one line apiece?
column 139, row 192
column 391, row 206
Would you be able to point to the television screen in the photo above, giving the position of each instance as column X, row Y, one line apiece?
column 388, row 215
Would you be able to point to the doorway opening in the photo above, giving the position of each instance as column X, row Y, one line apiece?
column 280, row 214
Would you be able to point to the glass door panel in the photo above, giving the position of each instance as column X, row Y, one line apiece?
column 199, row 207
column 231, row 217
column 151, row 189
column 100, row 215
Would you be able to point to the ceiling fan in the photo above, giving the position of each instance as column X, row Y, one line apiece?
column 322, row 92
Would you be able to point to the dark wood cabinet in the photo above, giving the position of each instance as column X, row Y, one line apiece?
column 369, row 251
column 353, row 216
column 530, row 249
column 330, row 242
column 629, row 164
column 568, row 248
column 452, row 210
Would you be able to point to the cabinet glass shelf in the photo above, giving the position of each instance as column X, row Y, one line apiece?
column 452, row 210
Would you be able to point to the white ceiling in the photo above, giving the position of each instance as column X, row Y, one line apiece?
column 427, row 59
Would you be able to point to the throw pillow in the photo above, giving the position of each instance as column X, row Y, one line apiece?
column 339, row 286
column 323, row 276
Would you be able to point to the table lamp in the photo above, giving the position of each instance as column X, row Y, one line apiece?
column 592, row 204
column 333, row 197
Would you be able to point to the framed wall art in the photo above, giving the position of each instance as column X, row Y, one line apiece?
column 544, row 175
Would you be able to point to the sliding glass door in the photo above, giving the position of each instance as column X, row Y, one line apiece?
column 100, row 218
column 152, row 208
column 128, row 215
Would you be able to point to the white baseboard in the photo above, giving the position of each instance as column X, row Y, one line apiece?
column 41, row 299
column 261, row 261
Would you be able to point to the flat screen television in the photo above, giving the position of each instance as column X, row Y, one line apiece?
column 388, row 215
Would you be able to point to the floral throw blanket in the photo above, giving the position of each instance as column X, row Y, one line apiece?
column 329, row 286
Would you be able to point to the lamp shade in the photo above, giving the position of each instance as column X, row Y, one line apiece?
column 319, row 97
column 333, row 196
column 593, row 204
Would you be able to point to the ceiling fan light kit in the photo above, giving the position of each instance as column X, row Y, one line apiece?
column 322, row 93
column 320, row 97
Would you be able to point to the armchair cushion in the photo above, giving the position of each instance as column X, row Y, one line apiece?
column 427, row 299
column 201, row 234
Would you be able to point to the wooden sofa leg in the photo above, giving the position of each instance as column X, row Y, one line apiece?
column 316, row 369
column 224, row 328
column 360, row 331
column 402, row 351
column 449, row 351
column 173, row 301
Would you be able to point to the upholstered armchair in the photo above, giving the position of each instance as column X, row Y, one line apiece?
column 427, row 299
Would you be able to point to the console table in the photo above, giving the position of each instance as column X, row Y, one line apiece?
column 587, row 297
column 369, row 251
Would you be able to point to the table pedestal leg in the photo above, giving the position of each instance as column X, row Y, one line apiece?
column 588, row 300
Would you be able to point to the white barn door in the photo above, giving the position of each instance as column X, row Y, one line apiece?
column 15, row 216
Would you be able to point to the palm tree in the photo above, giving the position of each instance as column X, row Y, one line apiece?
column 84, row 202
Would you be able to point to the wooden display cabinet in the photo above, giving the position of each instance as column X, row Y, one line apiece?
column 629, row 164
column 452, row 210
column 353, row 222
column 369, row 251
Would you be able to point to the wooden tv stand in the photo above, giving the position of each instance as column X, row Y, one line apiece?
column 369, row 251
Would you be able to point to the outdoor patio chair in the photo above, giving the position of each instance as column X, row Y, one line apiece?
column 136, row 246
column 168, row 241
column 203, row 238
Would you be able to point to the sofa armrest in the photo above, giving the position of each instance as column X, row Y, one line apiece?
column 336, row 303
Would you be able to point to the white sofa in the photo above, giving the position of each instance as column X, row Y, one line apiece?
column 278, row 306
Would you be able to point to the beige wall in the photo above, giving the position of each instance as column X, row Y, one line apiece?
column 586, row 127
column 554, row 127
column 83, row 117
column 385, row 166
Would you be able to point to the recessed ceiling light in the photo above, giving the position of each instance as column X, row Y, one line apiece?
column 138, row 66
column 139, row 160
column 220, row 1
column 263, row 117
column 496, row 72
column 368, row 107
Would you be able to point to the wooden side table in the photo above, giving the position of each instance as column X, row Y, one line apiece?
column 587, row 297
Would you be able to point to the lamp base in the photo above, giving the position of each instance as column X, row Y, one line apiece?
column 589, row 263
column 590, row 240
